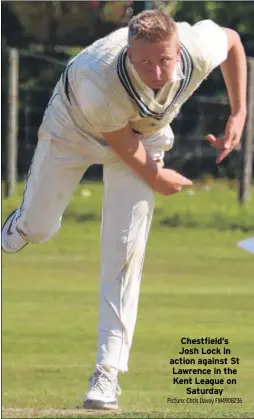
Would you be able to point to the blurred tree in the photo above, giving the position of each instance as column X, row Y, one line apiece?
column 138, row 6
column 44, row 29
column 81, row 22
column 12, row 30
column 54, row 22
column 62, row 22
column 235, row 15
column 118, row 12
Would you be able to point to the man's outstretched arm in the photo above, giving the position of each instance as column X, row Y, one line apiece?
column 234, row 70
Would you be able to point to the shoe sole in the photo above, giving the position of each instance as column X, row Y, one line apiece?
column 99, row 405
column 6, row 221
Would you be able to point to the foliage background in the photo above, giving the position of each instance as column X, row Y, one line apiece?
column 49, row 33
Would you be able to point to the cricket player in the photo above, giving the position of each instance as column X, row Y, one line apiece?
column 113, row 105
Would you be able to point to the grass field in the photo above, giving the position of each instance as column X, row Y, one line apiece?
column 196, row 283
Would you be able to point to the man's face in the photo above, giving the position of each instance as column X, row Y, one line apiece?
column 154, row 62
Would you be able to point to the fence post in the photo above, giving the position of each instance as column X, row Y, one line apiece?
column 12, row 128
column 248, row 140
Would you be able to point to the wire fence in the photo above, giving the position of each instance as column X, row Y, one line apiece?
column 190, row 149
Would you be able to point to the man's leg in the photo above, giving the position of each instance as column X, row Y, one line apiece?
column 54, row 174
column 127, row 213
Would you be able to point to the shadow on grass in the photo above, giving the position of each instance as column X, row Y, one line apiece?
column 215, row 221
column 82, row 218
column 81, row 413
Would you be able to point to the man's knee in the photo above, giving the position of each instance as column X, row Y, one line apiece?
column 37, row 233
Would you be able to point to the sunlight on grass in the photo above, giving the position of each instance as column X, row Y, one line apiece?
column 196, row 282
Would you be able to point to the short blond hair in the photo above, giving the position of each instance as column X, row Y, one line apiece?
column 152, row 26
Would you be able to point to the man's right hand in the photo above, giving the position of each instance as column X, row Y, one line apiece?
column 130, row 149
column 169, row 182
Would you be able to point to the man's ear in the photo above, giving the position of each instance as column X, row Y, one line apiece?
column 129, row 55
column 178, row 52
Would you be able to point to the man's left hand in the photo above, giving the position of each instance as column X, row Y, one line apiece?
column 232, row 137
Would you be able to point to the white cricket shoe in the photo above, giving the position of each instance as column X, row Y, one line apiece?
column 103, row 391
column 12, row 241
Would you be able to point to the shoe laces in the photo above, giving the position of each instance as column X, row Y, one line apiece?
column 101, row 380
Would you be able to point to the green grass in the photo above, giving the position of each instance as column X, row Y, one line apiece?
column 196, row 282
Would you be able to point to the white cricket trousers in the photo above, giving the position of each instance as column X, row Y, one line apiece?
column 128, row 203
